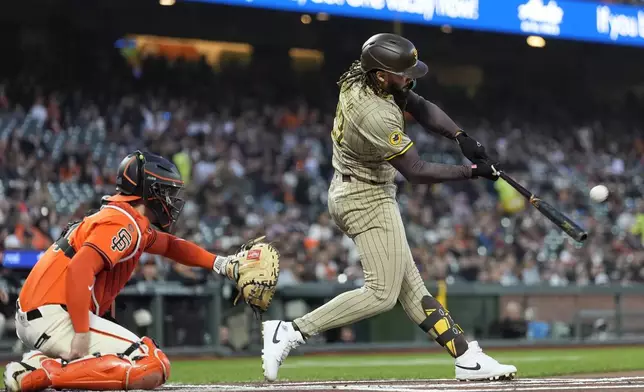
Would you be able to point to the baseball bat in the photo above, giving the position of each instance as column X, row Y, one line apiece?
column 563, row 222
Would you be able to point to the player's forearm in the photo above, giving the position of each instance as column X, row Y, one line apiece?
column 182, row 251
column 423, row 172
column 80, row 281
column 418, row 171
column 430, row 116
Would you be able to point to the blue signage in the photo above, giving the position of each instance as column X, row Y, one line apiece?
column 568, row 19
column 21, row 259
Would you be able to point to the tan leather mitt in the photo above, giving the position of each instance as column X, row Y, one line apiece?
column 255, row 270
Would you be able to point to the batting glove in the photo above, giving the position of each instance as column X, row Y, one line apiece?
column 471, row 149
column 485, row 170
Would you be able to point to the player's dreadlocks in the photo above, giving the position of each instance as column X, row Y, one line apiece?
column 355, row 73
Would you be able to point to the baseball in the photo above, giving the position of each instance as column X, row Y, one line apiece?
column 599, row 193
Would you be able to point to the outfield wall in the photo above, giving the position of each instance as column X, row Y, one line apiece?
column 475, row 306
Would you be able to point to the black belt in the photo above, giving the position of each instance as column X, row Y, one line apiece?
column 63, row 244
column 36, row 314
column 348, row 178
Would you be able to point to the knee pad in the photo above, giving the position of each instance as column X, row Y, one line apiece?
column 145, row 373
column 154, row 358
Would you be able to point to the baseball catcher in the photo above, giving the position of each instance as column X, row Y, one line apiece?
column 80, row 275
column 369, row 146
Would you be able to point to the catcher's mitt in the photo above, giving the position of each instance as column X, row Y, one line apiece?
column 256, row 272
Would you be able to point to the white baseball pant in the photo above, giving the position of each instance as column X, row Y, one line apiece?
column 49, row 330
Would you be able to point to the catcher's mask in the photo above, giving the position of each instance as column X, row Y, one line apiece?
column 156, row 182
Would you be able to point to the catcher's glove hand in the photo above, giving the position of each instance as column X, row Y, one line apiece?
column 255, row 270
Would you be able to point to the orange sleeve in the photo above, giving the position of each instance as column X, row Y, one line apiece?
column 180, row 250
column 113, row 240
column 80, row 278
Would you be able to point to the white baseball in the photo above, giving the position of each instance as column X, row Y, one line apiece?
column 599, row 193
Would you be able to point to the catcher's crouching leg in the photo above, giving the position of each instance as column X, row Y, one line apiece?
column 147, row 368
column 148, row 371
column 27, row 375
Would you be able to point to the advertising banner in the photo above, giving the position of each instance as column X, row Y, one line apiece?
column 567, row 19
column 20, row 259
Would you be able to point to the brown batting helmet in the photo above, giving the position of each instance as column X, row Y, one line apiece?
column 392, row 53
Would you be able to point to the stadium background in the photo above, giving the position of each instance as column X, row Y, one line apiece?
column 242, row 100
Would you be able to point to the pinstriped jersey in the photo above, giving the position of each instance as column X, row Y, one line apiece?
column 368, row 131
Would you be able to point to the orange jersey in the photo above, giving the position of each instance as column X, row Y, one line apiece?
column 117, row 232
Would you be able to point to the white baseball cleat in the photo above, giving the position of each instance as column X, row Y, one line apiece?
column 279, row 339
column 15, row 371
column 474, row 364
column 11, row 373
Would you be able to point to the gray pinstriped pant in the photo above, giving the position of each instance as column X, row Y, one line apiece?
column 369, row 214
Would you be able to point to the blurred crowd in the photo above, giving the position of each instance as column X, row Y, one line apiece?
column 257, row 163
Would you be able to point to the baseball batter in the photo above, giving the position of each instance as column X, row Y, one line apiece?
column 369, row 146
column 79, row 276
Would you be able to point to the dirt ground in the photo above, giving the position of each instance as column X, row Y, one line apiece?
column 607, row 382
column 631, row 373
column 625, row 381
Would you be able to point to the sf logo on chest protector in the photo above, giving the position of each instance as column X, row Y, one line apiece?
column 121, row 241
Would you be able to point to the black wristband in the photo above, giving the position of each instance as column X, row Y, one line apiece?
column 475, row 171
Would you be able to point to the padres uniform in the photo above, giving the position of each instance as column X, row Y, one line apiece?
column 368, row 132
column 369, row 148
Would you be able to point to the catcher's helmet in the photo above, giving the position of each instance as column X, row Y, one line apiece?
column 392, row 53
column 154, row 180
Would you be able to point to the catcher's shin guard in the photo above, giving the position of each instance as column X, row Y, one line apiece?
column 148, row 368
column 440, row 325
